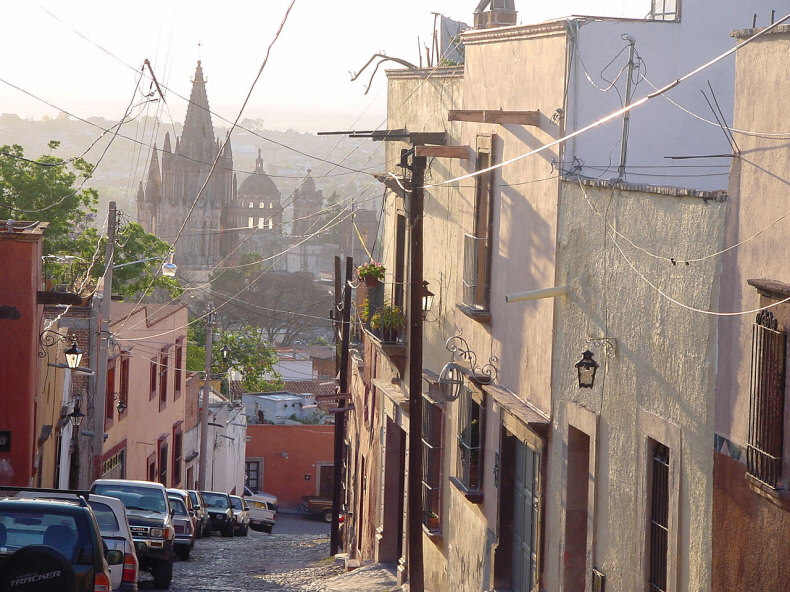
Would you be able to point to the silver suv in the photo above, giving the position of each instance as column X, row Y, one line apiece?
column 151, row 523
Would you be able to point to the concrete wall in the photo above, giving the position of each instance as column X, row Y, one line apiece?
column 227, row 447
column 658, row 383
column 290, row 453
column 750, row 522
column 659, row 128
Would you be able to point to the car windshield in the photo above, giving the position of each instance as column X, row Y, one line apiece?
column 236, row 503
column 178, row 506
column 194, row 497
column 216, row 500
column 104, row 516
column 144, row 499
column 21, row 528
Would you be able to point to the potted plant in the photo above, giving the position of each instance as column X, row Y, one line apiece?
column 371, row 273
column 431, row 520
column 387, row 321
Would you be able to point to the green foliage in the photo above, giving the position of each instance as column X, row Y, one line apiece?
column 389, row 317
column 371, row 270
column 44, row 190
column 251, row 355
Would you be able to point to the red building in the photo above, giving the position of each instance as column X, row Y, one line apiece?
column 290, row 461
column 20, row 317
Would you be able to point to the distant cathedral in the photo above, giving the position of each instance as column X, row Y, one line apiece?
column 229, row 219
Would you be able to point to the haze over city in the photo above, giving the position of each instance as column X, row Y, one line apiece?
column 81, row 56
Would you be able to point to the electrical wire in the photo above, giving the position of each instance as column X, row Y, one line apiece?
column 607, row 118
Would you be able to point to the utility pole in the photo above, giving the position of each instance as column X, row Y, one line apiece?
column 203, row 464
column 627, row 114
column 100, row 394
column 340, row 416
column 414, row 502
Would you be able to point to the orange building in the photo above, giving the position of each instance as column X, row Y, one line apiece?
column 290, row 461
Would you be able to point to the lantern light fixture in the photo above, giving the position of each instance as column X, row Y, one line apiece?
column 451, row 379
column 76, row 416
column 427, row 300
column 225, row 352
column 586, row 368
column 73, row 355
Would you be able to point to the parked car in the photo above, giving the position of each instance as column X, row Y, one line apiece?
column 114, row 529
column 269, row 498
column 204, row 522
column 263, row 513
column 185, row 528
column 317, row 506
column 191, row 511
column 150, row 521
column 241, row 515
column 52, row 546
column 220, row 510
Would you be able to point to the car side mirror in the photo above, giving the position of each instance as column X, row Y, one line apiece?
column 114, row 557
column 172, row 512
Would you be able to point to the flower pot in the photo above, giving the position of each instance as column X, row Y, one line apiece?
column 389, row 335
column 371, row 282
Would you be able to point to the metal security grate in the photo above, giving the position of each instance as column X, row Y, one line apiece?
column 659, row 518
column 766, row 401
column 475, row 272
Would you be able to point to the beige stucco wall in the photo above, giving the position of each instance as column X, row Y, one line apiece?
column 758, row 192
column 660, row 383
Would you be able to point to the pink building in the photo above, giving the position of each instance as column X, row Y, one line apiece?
column 145, row 405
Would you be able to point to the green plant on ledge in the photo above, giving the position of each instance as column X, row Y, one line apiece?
column 364, row 311
column 388, row 320
column 371, row 271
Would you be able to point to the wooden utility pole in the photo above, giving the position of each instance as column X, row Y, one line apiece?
column 416, row 206
column 203, row 463
column 340, row 416
column 98, row 399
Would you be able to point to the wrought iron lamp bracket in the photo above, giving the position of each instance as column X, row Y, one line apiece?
column 607, row 344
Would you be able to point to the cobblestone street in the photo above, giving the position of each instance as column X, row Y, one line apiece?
column 293, row 559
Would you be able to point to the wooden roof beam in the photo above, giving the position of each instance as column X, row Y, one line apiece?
column 495, row 116
column 461, row 152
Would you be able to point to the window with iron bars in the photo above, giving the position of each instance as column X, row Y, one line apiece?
column 432, row 421
column 477, row 268
column 659, row 518
column 471, row 424
column 766, row 400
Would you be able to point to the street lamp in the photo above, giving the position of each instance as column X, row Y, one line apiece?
column 586, row 368
column 451, row 379
column 168, row 267
column 73, row 355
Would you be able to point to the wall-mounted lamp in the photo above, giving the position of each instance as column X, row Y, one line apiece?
column 451, row 378
column 73, row 355
column 76, row 417
column 586, row 368
column 450, row 381
column 427, row 300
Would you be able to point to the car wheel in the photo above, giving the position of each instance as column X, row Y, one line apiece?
column 327, row 515
column 38, row 560
column 207, row 530
column 268, row 528
column 163, row 574
column 244, row 530
column 227, row 531
column 183, row 553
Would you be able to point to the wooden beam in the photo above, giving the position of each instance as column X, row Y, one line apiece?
column 335, row 397
column 443, row 151
column 496, row 116
column 475, row 115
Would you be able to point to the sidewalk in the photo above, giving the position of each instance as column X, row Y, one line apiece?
column 370, row 578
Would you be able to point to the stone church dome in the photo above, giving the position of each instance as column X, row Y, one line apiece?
column 259, row 184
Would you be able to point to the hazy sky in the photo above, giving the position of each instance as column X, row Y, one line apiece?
column 306, row 84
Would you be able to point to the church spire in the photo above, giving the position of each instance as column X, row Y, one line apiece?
column 197, row 139
column 259, row 163
column 153, row 186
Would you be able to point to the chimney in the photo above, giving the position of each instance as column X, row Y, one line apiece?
column 501, row 13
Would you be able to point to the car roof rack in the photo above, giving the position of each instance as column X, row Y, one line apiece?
column 81, row 495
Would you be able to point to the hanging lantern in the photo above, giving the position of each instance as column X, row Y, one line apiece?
column 451, row 379
column 586, row 368
column 73, row 355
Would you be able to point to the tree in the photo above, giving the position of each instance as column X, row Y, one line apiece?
column 247, row 353
column 284, row 305
column 44, row 190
